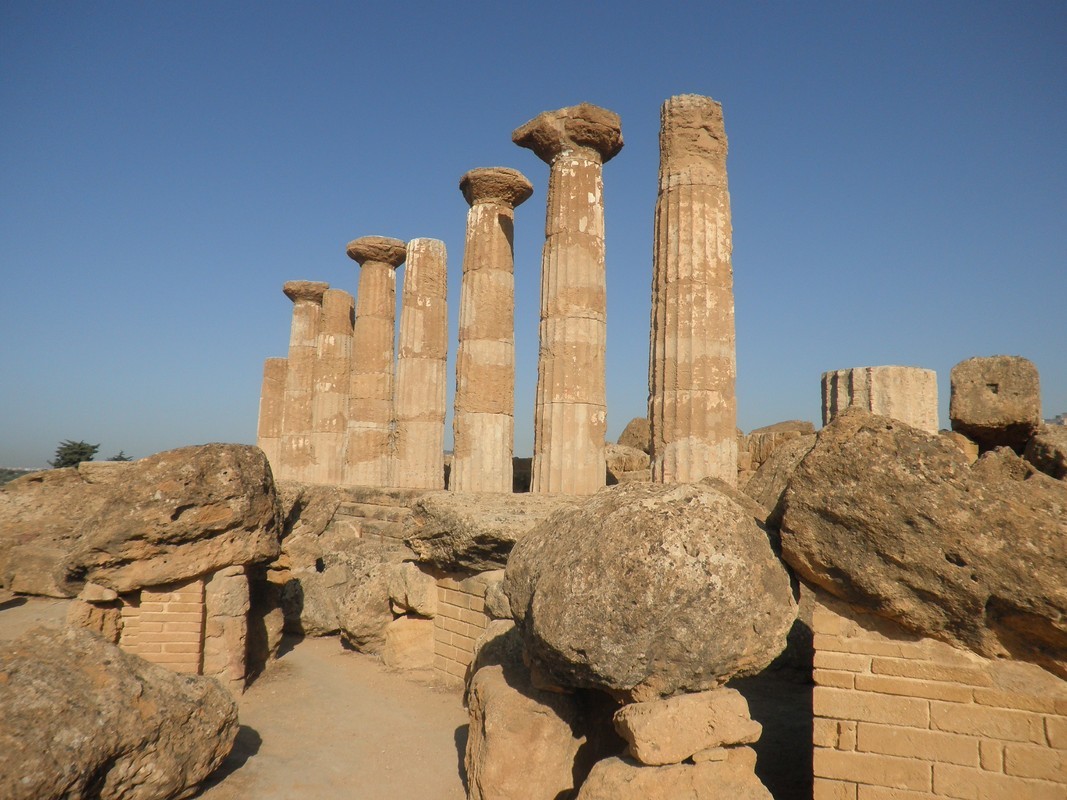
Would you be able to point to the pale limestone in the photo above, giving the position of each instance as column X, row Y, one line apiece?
column 421, row 368
column 226, row 607
column 907, row 394
column 329, row 404
column 369, row 440
column 484, row 421
column 692, row 371
column 271, row 403
column 296, row 457
column 570, row 416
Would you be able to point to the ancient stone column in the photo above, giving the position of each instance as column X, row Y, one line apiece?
column 271, row 403
column 297, row 457
column 908, row 394
column 570, row 415
column 692, row 406
column 484, row 422
column 329, row 405
column 421, row 369
column 369, row 443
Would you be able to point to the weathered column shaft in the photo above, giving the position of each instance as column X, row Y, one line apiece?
column 271, row 405
column 570, row 415
column 329, row 406
column 908, row 394
column 297, row 455
column 421, row 372
column 484, row 420
column 692, row 405
column 369, row 441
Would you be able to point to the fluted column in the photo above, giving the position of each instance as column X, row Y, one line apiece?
column 483, row 424
column 421, row 368
column 271, row 405
column 297, row 455
column 570, row 415
column 692, row 405
column 329, row 405
column 369, row 442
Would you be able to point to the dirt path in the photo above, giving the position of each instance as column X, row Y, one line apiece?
column 326, row 722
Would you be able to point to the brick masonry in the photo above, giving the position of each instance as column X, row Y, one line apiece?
column 460, row 620
column 165, row 625
column 901, row 717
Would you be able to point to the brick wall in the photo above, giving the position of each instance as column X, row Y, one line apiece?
column 900, row 717
column 165, row 625
column 459, row 622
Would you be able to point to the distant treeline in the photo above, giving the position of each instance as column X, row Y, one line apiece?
column 9, row 474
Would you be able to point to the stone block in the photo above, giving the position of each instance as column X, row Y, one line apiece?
column 409, row 643
column 907, row 394
column 996, row 401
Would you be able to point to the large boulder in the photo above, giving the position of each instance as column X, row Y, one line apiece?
column 637, row 433
column 996, row 401
column 1047, row 450
column 622, row 461
column 762, row 442
column 164, row 519
column 648, row 590
column 898, row 522
column 81, row 718
column 770, row 480
column 622, row 779
column 474, row 531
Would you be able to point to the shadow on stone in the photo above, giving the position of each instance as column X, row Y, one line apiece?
column 245, row 746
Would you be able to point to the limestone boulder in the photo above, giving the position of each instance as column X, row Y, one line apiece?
column 762, row 442
column 898, row 522
column 670, row 731
column 996, row 401
column 770, row 480
column 623, row 779
column 649, row 590
column 81, row 718
column 166, row 518
column 307, row 511
column 500, row 644
column 408, row 643
column 637, row 434
column 1047, row 450
column 622, row 460
column 497, row 605
column 364, row 612
column 411, row 589
column 474, row 531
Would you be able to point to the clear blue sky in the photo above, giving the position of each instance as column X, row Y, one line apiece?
column 898, row 174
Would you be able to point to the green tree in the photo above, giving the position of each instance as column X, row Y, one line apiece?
column 120, row 456
column 71, row 454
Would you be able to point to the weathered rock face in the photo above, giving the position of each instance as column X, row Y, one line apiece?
column 522, row 741
column 622, row 779
column 83, row 719
column 650, row 590
column 637, row 433
column 622, row 459
column 762, row 442
column 670, row 731
column 996, row 401
column 364, row 612
column 166, row 518
column 767, row 485
column 897, row 521
column 474, row 532
column 411, row 589
column 1047, row 451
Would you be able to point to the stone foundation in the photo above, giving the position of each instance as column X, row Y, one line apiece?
column 901, row 717
column 165, row 625
column 460, row 620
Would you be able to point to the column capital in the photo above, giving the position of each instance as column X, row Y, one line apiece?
column 501, row 185
column 311, row 291
column 377, row 250
column 582, row 127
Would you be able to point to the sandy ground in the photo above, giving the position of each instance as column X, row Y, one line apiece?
column 325, row 722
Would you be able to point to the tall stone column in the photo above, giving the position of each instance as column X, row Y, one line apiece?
column 271, row 405
column 297, row 456
column 329, row 406
column 570, row 415
column 369, row 442
column 484, row 422
column 421, row 368
column 692, row 405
